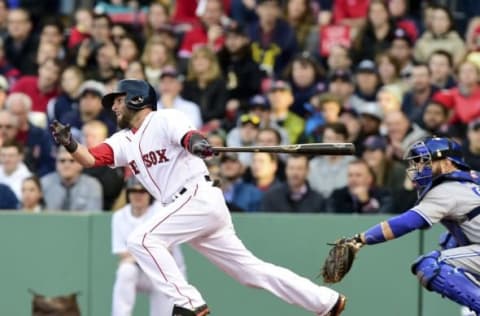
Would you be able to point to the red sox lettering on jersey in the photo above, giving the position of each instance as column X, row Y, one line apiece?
column 150, row 159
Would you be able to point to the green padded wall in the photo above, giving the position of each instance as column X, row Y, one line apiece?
column 62, row 253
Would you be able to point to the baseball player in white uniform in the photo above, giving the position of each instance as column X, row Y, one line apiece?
column 130, row 279
column 165, row 152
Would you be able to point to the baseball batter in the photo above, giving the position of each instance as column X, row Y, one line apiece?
column 130, row 279
column 449, row 193
column 164, row 152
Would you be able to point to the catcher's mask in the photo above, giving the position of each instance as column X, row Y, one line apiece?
column 138, row 94
column 422, row 153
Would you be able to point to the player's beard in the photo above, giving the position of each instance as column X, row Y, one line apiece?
column 126, row 118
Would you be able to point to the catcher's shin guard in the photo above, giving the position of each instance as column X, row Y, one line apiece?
column 200, row 311
column 449, row 281
column 339, row 306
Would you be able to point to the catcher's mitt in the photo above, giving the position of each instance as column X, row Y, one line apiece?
column 340, row 259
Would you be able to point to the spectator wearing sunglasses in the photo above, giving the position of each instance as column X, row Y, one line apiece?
column 68, row 189
column 244, row 135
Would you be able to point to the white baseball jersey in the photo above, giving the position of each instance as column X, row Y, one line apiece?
column 155, row 155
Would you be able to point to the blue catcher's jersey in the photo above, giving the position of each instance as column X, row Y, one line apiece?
column 454, row 200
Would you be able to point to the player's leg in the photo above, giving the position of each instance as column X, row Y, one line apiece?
column 125, row 289
column 187, row 218
column 452, row 273
column 227, row 251
column 160, row 304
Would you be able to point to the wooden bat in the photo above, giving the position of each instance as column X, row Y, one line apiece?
column 331, row 149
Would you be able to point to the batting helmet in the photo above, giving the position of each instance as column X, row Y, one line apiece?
column 421, row 154
column 138, row 94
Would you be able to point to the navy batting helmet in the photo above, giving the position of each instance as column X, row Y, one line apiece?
column 421, row 154
column 138, row 94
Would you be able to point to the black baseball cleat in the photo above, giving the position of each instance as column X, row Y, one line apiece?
column 339, row 306
column 200, row 311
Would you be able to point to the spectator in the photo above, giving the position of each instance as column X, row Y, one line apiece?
column 389, row 174
column 441, row 68
column 375, row 37
column 129, row 278
column 441, row 36
column 360, row 195
column 371, row 118
column 32, row 195
column 156, row 56
column 20, row 43
column 281, row 99
column 95, row 132
column 170, row 87
column 6, row 67
column 240, row 196
column 42, row 88
column 158, row 17
column 401, row 49
column 81, row 30
column 67, row 189
column 205, row 86
column 367, row 83
column 244, row 135
column 341, row 85
column 300, row 18
column 46, row 51
column 333, row 168
column 8, row 200
column 269, row 136
column 352, row 122
column 209, row 32
column 401, row 132
column 296, row 195
column 38, row 145
column 435, row 117
column 53, row 33
column 90, row 108
column 264, row 168
column 420, row 93
column 128, row 51
column 242, row 74
column 67, row 100
column 325, row 110
column 305, row 77
column 12, row 170
column 390, row 98
column 339, row 58
column 8, row 126
column 471, row 148
column 464, row 99
column 398, row 10
column 106, row 67
column 389, row 71
column 273, row 40
column 119, row 31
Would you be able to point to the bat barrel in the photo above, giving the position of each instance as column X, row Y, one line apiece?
column 310, row 149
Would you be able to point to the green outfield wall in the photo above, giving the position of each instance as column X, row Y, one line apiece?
column 63, row 253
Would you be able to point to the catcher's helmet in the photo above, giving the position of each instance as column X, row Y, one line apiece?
column 421, row 154
column 138, row 94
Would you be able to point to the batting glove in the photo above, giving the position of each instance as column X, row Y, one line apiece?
column 62, row 136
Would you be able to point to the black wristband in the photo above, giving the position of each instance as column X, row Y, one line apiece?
column 72, row 146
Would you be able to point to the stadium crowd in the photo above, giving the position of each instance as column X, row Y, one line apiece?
column 378, row 73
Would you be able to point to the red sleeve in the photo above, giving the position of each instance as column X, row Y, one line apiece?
column 339, row 11
column 103, row 154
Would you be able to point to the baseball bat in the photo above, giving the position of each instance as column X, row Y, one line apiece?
column 311, row 149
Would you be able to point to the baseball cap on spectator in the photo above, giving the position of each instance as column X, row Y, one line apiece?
column 371, row 109
column 443, row 97
column 94, row 87
column 401, row 34
column 171, row 72
column 366, row 66
column 341, row 74
column 375, row 142
column 259, row 101
column 228, row 156
column 279, row 85
column 236, row 28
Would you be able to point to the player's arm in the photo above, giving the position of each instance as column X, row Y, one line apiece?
column 197, row 144
column 392, row 228
column 87, row 157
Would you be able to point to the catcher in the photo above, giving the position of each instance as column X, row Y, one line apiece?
column 449, row 193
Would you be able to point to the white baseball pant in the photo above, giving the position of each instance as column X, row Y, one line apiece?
column 201, row 218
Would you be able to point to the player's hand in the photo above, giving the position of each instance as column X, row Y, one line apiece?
column 63, row 136
column 202, row 149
